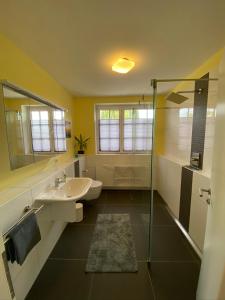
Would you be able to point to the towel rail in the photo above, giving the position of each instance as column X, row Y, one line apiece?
column 27, row 211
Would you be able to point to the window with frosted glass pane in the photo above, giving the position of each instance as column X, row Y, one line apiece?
column 109, row 130
column 59, row 130
column 48, row 130
column 40, row 131
column 137, row 129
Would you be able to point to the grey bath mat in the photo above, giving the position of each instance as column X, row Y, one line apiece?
column 112, row 248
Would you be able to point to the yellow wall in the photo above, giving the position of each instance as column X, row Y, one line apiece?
column 204, row 68
column 84, row 114
column 16, row 103
column 18, row 68
column 160, row 112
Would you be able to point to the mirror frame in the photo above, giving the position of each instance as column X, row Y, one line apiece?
column 28, row 94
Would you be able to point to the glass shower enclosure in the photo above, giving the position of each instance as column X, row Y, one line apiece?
column 182, row 140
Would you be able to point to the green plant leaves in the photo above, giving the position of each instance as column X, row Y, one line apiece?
column 81, row 142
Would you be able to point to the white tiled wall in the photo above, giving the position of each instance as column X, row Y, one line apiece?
column 12, row 203
column 177, row 136
column 168, row 180
column 9, row 208
column 199, row 208
column 178, row 126
column 212, row 275
column 169, row 184
column 178, row 130
column 4, row 287
column 119, row 170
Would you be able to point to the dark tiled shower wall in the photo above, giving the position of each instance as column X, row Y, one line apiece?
column 199, row 118
column 185, row 197
column 197, row 145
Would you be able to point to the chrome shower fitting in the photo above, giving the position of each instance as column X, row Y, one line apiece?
column 178, row 98
column 199, row 91
column 208, row 192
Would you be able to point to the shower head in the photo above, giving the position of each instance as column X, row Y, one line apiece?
column 176, row 98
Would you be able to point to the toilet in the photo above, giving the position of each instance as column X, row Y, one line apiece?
column 96, row 186
column 94, row 191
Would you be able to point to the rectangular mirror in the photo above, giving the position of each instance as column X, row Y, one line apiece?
column 35, row 128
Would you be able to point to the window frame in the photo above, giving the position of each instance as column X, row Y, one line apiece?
column 51, row 129
column 121, row 107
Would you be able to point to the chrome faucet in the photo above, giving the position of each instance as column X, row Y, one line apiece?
column 59, row 180
column 208, row 192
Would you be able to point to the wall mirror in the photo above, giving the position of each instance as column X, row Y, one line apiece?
column 35, row 128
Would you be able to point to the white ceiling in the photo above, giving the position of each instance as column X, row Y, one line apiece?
column 77, row 41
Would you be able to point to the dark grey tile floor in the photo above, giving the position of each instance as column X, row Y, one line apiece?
column 174, row 268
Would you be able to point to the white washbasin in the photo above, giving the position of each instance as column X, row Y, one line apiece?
column 73, row 189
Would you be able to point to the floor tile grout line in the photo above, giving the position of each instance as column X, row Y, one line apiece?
column 67, row 259
column 151, row 282
column 136, row 204
column 138, row 260
column 163, row 225
column 190, row 249
column 81, row 224
column 142, row 260
column 91, row 287
column 134, row 224
column 176, row 261
column 183, row 241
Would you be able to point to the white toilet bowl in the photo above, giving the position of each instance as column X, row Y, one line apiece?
column 94, row 191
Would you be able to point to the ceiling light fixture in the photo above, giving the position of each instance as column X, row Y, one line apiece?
column 123, row 65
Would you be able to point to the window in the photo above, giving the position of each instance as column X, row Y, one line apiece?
column 47, row 129
column 186, row 112
column 124, row 128
column 59, row 131
column 40, row 130
column 109, row 130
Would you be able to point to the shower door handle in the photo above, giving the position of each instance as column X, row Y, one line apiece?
column 208, row 191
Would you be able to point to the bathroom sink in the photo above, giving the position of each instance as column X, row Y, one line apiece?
column 73, row 189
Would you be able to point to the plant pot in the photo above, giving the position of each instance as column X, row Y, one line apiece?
column 80, row 151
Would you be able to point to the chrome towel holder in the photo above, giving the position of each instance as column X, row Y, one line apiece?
column 27, row 210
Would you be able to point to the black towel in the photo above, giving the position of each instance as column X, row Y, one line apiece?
column 22, row 238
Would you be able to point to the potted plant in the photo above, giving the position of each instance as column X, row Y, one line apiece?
column 81, row 142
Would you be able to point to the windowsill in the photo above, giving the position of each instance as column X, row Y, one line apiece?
column 48, row 153
column 123, row 153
